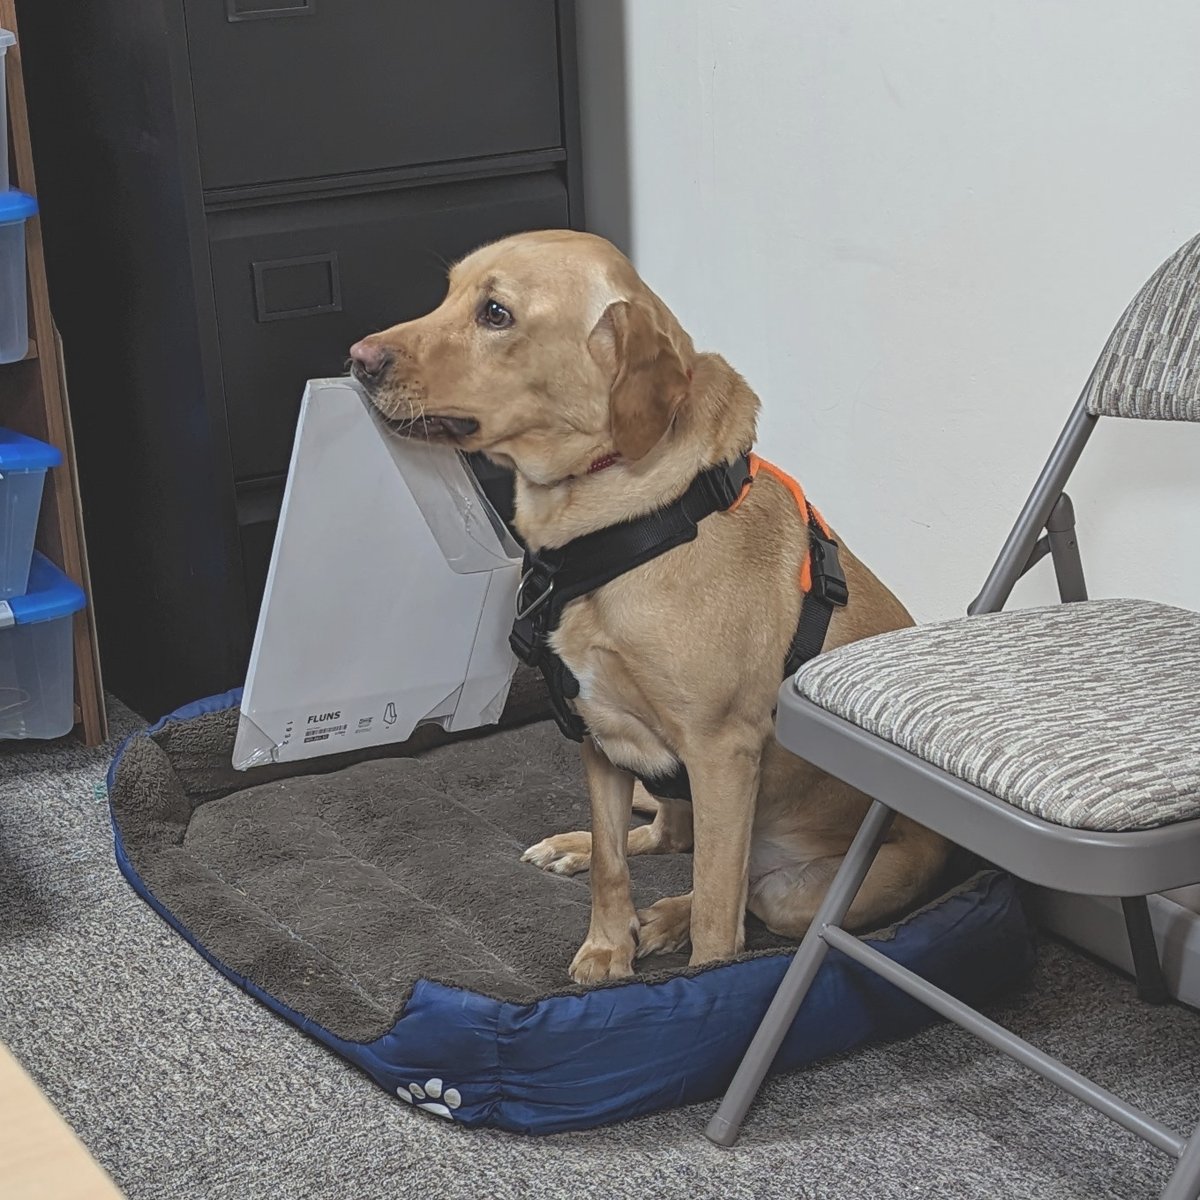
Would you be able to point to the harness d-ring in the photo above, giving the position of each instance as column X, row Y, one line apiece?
column 530, row 609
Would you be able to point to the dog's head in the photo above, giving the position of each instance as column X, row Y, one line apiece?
column 547, row 353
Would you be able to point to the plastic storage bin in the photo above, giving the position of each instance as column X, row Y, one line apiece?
column 15, row 209
column 23, row 466
column 6, row 40
column 37, row 679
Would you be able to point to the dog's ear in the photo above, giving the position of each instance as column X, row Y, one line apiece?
column 649, row 379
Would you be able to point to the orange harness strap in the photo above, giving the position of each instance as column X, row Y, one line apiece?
column 806, row 510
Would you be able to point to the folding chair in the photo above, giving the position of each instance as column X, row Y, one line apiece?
column 1059, row 743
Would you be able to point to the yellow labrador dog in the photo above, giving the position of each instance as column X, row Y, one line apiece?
column 551, row 355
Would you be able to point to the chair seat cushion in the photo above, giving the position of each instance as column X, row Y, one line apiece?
column 1086, row 715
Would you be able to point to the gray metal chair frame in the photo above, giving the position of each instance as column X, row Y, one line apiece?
column 1130, row 865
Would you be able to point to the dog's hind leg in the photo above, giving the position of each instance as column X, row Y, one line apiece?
column 645, row 803
column 786, row 899
column 670, row 832
column 666, row 926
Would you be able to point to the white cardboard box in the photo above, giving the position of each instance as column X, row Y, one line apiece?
column 390, row 593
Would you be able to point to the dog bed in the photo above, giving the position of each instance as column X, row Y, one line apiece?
column 379, row 904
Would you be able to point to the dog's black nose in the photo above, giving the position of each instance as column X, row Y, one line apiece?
column 369, row 359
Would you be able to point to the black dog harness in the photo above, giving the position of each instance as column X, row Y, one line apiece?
column 552, row 578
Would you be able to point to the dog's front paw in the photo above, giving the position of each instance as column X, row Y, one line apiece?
column 564, row 853
column 666, row 926
column 598, row 961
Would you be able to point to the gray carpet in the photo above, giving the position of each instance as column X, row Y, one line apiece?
column 184, row 1087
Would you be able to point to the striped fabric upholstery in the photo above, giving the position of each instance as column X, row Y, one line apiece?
column 1086, row 715
column 1150, row 366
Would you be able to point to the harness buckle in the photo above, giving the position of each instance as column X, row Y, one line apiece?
column 829, row 580
column 727, row 481
column 525, row 643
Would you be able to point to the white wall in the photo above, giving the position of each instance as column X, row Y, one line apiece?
column 911, row 225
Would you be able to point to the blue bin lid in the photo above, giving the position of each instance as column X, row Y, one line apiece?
column 16, row 206
column 50, row 594
column 21, row 453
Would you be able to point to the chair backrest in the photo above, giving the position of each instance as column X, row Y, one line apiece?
column 1150, row 366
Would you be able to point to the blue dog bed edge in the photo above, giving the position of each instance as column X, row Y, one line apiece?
column 577, row 1061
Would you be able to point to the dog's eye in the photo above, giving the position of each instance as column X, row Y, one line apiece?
column 494, row 315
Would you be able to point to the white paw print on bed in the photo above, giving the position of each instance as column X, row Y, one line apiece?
column 433, row 1097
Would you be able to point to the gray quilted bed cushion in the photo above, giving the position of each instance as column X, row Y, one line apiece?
column 1087, row 715
column 336, row 883
column 1150, row 367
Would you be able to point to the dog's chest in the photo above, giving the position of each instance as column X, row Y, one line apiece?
column 612, row 698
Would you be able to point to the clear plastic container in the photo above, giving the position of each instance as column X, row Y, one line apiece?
column 24, row 462
column 6, row 40
column 15, row 209
column 37, row 679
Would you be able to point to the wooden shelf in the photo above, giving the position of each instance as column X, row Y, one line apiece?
column 33, row 400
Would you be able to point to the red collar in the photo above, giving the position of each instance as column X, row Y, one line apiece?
column 604, row 462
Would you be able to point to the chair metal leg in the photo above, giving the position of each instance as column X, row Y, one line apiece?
column 1184, row 1183
column 727, row 1121
column 1068, row 570
column 1147, row 966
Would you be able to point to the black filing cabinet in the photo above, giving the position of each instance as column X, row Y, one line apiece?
column 232, row 192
